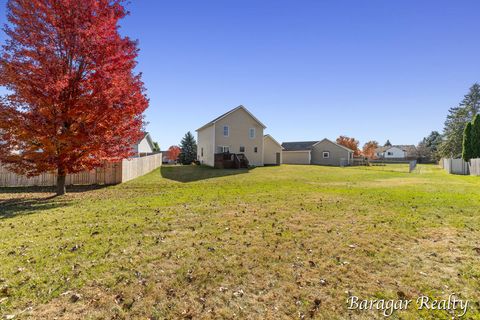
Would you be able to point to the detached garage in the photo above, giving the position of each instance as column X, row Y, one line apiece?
column 324, row 152
column 272, row 151
column 329, row 153
column 297, row 152
column 296, row 157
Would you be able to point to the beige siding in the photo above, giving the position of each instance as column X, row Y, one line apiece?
column 205, row 141
column 144, row 146
column 239, row 123
column 296, row 157
column 270, row 150
column 336, row 154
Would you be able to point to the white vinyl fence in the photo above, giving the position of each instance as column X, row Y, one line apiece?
column 109, row 173
column 458, row 166
column 136, row 167
column 475, row 167
column 455, row 166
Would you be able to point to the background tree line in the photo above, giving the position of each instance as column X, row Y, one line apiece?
column 186, row 153
column 459, row 122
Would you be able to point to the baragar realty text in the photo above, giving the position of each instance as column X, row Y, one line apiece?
column 452, row 304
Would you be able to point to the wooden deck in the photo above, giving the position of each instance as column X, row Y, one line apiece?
column 230, row 161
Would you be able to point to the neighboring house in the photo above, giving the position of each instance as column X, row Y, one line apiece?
column 165, row 159
column 272, row 151
column 397, row 152
column 329, row 153
column 144, row 146
column 235, row 132
column 323, row 152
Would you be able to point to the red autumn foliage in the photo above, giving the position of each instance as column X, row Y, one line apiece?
column 369, row 149
column 74, row 100
column 350, row 143
column 173, row 153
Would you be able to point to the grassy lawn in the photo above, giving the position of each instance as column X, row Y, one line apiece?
column 287, row 242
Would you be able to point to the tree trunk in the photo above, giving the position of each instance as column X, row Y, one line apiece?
column 61, row 190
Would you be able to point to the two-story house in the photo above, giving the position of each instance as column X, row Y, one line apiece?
column 237, row 133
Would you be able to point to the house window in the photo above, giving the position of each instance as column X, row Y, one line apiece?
column 201, row 151
column 251, row 133
column 389, row 153
column 326, row 154
column 242, row 149
column 226, row 131
column 255, row 149
column 223, row 149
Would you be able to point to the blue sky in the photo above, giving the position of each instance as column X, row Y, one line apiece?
column 372, row 69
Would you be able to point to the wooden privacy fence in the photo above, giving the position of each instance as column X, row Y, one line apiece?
column 458, row 166
column 109, row 173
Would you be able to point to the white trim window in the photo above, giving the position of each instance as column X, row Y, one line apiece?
column 251, row 133
column 226, row 131
column 223, row 149
column 326, row 154
column 255, row 149
column 242, row 149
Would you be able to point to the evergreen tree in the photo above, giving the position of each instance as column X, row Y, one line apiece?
column 387, row 144
column 457, row 119
column 475, row 138
column 188, row 145
column 428, row 147
column 467, row 143
column 433, row 140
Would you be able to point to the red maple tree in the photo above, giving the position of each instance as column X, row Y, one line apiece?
column 173, row 153
column 369, row 149
column 73, row 98
column 350, row 143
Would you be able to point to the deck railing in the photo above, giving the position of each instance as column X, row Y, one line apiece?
column 227, row 160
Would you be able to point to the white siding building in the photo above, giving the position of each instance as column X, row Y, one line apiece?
column 144, row 146
column 398, row 152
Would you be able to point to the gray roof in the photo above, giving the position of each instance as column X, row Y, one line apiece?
column 298, row 145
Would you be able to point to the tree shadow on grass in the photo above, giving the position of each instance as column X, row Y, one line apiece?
column 16, row 201
column 38, row 189
column 196, row 173
column 20, row 206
